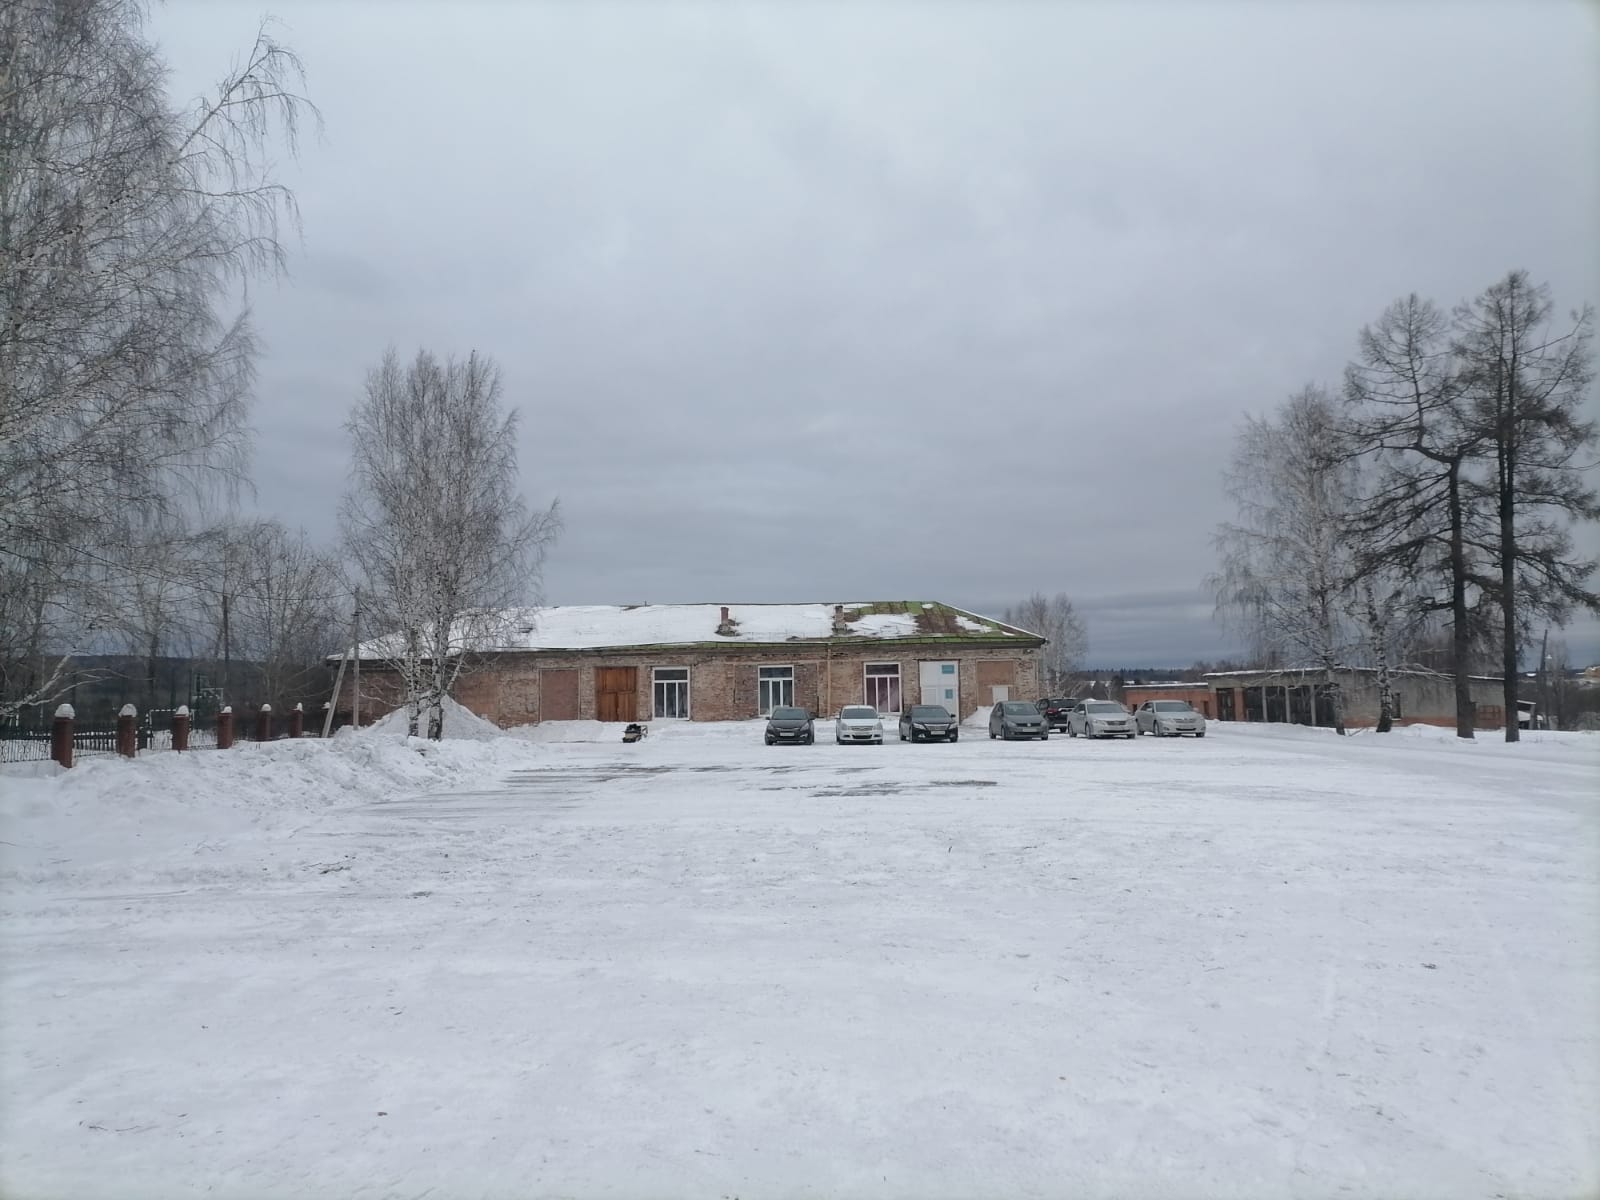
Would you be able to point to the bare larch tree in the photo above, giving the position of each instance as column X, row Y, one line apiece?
column 1524, row 383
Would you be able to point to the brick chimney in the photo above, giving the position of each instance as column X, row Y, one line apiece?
column 726, row 628
column 840, row 626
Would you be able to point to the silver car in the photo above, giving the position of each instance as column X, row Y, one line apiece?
column 1169, row 718
column 1017, row 719
column 1100, row 718
column 858, row 723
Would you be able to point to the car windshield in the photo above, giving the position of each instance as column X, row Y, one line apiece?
column 1168, row 706
column 1018, row 708
column 929, row 712
column 1102, row 706
column 789, row 714
column 859, row 712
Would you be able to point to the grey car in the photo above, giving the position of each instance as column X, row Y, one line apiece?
column 927, row 722
column 790, row 725
column 1100, row 718
column 1017, row 719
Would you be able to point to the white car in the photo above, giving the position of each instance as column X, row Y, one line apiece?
column 858, row 723
column 1100, row 718
column 1169, row 718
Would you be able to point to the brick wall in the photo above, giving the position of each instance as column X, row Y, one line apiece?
column 722, row 683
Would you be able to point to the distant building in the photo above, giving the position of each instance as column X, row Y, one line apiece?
column 1298, row 696
column 708, row 662
column 1197, row 695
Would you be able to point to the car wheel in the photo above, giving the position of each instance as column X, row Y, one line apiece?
column 1044, row 737
column 769, row 741
column 992, row 735
column 1200, row 734
column 955, row 737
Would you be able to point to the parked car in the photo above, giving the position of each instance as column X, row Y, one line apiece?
column 1017, row 719
column 858, row 723
column 1055, row 710
column 1169, row 718
column 791, row 725
column 925, row 722
column 1100, row 718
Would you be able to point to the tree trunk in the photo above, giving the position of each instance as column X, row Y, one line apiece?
column 1508, row 585
column 1460, row 630
column 1380, row 651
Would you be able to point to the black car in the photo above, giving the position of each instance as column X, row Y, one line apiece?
column 928, row 722
column 1055, row 710
column 791, row 725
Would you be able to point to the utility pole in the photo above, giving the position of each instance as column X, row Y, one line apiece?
column 355, row 701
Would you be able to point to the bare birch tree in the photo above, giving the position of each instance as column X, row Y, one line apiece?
column 125, row 229
column 1055, row 619
column 1285, row 571
column 439, row 535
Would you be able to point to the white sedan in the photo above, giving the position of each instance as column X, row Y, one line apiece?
column 858, row 723
column 1169, row 718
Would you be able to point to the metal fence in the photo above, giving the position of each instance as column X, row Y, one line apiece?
column 31, row 743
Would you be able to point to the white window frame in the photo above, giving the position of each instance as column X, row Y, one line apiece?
column 656, row 682
column 866, row 685
column 764, row 701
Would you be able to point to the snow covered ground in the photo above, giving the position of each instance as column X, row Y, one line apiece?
column 1272, row 963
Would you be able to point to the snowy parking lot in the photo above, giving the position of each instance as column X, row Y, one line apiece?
column 1270, row 963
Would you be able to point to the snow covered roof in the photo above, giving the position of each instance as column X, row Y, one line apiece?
column 615, row 626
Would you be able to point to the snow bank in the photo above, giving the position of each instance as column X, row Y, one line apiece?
column 460, row 723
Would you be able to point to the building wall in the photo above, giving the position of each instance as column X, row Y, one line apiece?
column 723, row 684
column 1198, row 696
column 1424, row 699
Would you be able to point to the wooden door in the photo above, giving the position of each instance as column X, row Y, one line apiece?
column 616, row 693
column 558, row 695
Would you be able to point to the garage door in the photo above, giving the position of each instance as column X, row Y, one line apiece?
column 616, row 693
column 941, row 685
column 558, row 695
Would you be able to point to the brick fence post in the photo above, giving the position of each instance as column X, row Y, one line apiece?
column 225, row 727
column 127, row 734
column 180, row 727
column 61, row 736
column 297, row 721
column 264, row 724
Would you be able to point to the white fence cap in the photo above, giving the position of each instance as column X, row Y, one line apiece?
column 65, row 710
column 127, row 710
column 181, row 711
column 266, row 708
column 227, row 708
column 299, row 707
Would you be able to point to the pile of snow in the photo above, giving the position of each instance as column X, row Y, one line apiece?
column 460, row 723
column 567, row 731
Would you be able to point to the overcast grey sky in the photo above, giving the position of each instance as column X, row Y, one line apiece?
column 947, row 301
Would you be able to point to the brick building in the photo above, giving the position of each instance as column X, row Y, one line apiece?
column 708, row 662
column 1295, row 696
